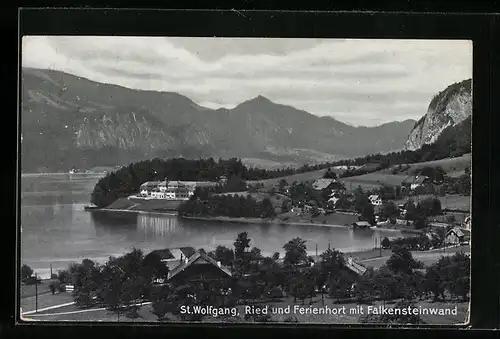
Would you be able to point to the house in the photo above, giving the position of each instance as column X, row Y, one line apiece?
column 223, row 179
column 171, row 190
column 375, row 199
column 413, row 182
column 454, row 236
column 147, row 187
column 330, row 186
column 199, row 267
column 173, row 257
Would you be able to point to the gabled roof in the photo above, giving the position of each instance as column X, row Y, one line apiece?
column 197, row 256
column 150, row 183
column 457, row 231
column 408, row 180
column 420, row 179
column 321, row 184
column 354, row 266
column 175, row 253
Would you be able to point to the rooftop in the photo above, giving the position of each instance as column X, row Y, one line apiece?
column 321, row 184
column 196, row 257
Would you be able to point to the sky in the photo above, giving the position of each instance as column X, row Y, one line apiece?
column 360, row 82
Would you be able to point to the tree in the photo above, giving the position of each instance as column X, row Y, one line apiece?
column 386, row 284
column 64, row 276
column 389, row 209
column 86, row 278
column 332, row 261
column 224, row 255
column 402, row 261
column 267, row 208
column 385, row 243
column 339, row 284
column 285, row 206
column 301, row 286
column 454, row 274
column 241, row 244
column 235, row 184
column 364, row 286
column 435, row 282
column 329, row 174
column 282, row 185
column 430, row 206
column 296, row 252
column 410, row 210
column 26, row 272
column 365, row 208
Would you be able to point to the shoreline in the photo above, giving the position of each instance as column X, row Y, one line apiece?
column 281, row 222
column 252, row 220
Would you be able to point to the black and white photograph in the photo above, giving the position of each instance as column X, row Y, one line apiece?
column 245, row 180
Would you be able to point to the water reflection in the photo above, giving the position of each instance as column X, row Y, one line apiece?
column 157, row 226
column 109, row 223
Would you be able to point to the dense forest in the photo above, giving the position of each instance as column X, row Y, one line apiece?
column 206, row 203
column 454, row 141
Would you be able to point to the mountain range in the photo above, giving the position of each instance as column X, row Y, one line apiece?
column 68, row 121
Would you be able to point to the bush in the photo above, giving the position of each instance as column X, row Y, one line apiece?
column 54, row 286
column 33, row 281
column 26, row 273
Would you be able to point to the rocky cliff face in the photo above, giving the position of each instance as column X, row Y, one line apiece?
column 448, row 108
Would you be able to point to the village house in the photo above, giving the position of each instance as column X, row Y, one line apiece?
column 328, row 185
column 375, row 199
column 415, row 181
column 173, row 257
column 170, row 190
column 455, row 236
column 199, row 268
column 147, row 187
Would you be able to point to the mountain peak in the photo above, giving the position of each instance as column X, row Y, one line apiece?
column 259, row 98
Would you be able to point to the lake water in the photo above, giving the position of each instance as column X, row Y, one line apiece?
column 55, row 229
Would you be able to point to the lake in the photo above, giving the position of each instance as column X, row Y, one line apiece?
column 57, row 231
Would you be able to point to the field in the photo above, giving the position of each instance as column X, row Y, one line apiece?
column 428, row 258
column 372, row 180
column 300, row 177
column 452, row 166
column 452, row 202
